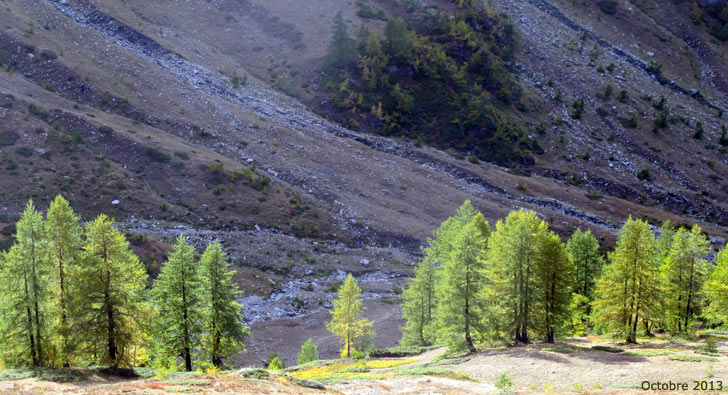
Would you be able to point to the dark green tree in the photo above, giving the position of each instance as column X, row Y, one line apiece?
column 341, row 47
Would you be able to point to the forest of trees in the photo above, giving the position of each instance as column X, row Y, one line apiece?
column 73, row 295
column 478, row 286
column 444, row 82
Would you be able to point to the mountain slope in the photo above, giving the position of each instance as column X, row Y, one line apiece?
column 298, row 196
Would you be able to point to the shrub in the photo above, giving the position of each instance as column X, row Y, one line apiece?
column 399, row 351
column 215, row 167
column 182, row 155
column 630, row 122
column 106, row 129
column 608, row 7
column 157, row 155
column 48, row 54
column 644, row 175
column 578, row 109
column 24, row 151
column 623, row 96
column 8, row 137
column 504, row 384
column 260, row 374
column 309, row 352
column 710, row 345
column 276, row 364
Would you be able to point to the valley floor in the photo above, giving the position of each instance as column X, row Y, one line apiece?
column 573, row 366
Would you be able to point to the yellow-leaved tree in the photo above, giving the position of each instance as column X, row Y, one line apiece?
column 346, row 321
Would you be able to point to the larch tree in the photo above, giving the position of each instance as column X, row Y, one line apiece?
column 27, row 269
column 555, row 279
column 177, row 295
column 108, row 304
column 419, row 301
column 225, row 333
column 684, row 272
column 17, row 327
column 716, row 290
column 346, row 321
column 513, row 254
column 629, row 288
column 63, row 232
column 583, row 248
column 341, row 47
column 460, row 305
column 309, row 352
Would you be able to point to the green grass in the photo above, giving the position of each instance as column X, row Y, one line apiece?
column 560, row 350
column 430, row 371
column 648, row 353
column 708, row 353
column 399, row 351
column 65, row 375
column 608, row 349
column 692, row 358
column 187, row 381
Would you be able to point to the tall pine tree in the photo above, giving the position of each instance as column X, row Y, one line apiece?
column 629, row 288
column 555, row 279
column 684, row 270
column 342, row 47
column 716, row 290
column 419, row 301
column 177, row 293
column 223, row 315
column 460, row 309
column 513, row 258
column 583, row 248
column 63, row 232
column 108, row 303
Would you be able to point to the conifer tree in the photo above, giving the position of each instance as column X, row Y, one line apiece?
column 419, row 301
column 177, row 295
column 108, row 289
column 223, row 315
column 63, row 232
column 629, row 288
column 716, row 290
column 460, row 309
column 555, row 279
column 583, row 248
column 309, row 352
column 684, row 271
column 341, row 47
column 17, row 328
column 26, row 276
column 513, row 253
column 346, row 321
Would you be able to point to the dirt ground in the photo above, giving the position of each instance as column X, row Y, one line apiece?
column 569, row 367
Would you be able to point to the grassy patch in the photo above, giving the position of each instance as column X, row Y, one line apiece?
column 56, row 375
column 450, row 361
column 346, row 370
column 187, row 381
column 260, row 374
column 399, row 351
column 692, row 358
column 430, row 371
column 608, row 349
column 706, row 352
column 648, row 353
column 560, row 350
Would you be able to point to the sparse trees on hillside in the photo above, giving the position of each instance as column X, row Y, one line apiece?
column 341, row 47
column 346, row 321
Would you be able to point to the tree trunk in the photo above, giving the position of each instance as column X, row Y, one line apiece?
column 110, row 341
column 64, row 340
column 188, row 356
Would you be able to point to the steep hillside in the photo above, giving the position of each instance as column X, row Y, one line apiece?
column 205, row 118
